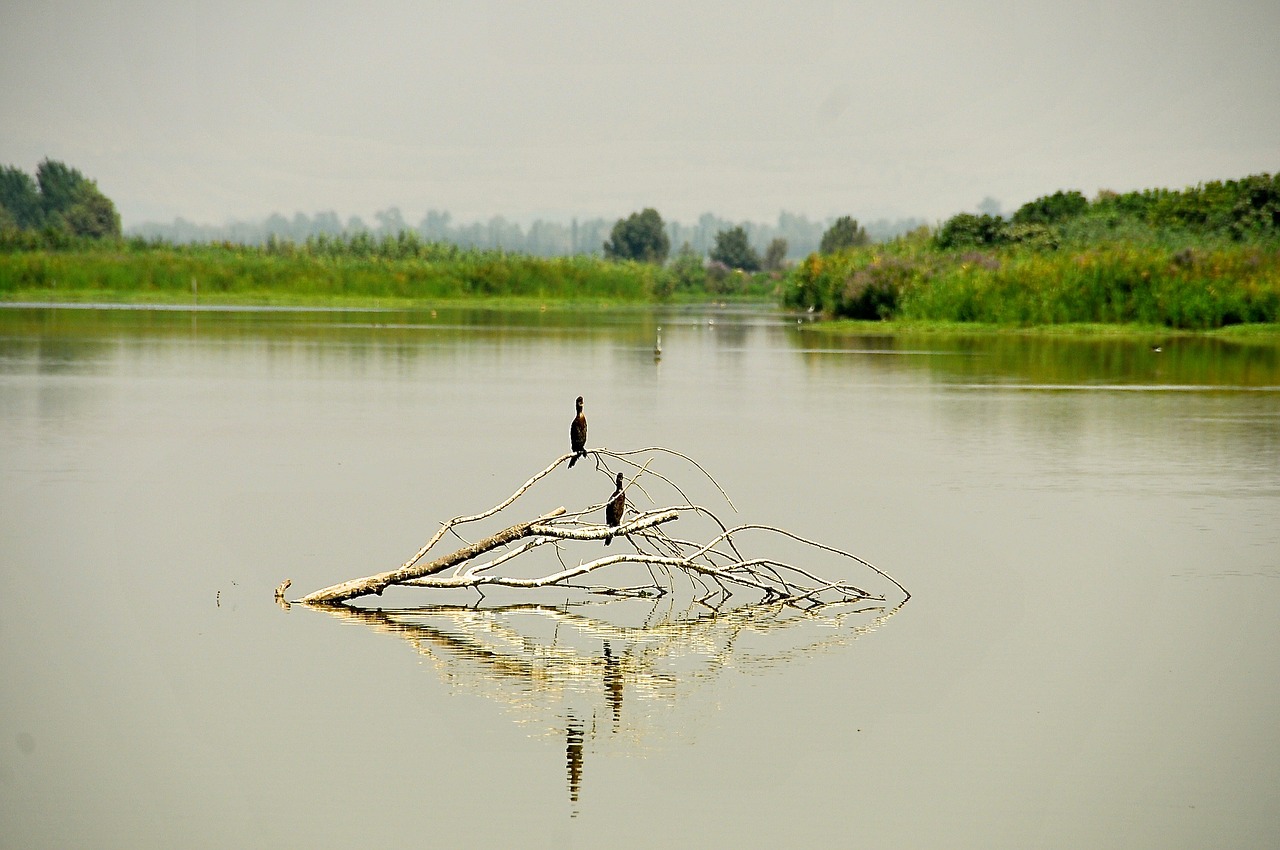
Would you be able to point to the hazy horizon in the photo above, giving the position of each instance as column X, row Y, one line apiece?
column 745, row 110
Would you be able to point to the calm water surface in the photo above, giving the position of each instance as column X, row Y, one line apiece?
column 1090, row 531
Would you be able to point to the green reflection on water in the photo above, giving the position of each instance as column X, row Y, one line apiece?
column 61, row 337
column 1063, row 361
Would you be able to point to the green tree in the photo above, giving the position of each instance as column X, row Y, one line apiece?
column 59, row 186
column 92, row 214
column 734, row 250
column 845, row 233
column 1052, row 208
column 641, row 237
column 1257, row 206
column 60, row 201
column 687, row 272
column 776, row 254
column 20, row 196
column 967, row 230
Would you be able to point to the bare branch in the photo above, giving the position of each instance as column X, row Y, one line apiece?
column 714, row 571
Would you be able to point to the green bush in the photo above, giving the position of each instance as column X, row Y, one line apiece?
column 1020, row 285
column 967, row 230
column 1051, row 208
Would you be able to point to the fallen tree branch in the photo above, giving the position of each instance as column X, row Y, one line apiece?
column 380, row 582
column 713, row 570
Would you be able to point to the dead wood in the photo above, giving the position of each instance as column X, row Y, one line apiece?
column 716, row 568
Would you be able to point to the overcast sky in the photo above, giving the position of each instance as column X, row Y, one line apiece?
column 223, row 110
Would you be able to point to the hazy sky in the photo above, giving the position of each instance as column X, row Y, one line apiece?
column 226, row 110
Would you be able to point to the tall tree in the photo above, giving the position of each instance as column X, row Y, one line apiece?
column 845, row 233
column 92, row 214
column 59, row 198
column 776, row 254
column 734, row 250
column 58, row 185
column 390, row 221
column 20, row 196
column 641, row 237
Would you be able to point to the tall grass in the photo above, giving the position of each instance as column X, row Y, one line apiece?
column 226, row 270
column 1115, row 282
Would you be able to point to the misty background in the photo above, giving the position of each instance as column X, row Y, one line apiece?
column 536, row 116
column 543, row 238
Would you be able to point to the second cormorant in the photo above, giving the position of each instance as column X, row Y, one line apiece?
column 613, row 510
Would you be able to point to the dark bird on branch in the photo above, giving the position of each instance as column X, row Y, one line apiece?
column 613, row 510
column 578, row 435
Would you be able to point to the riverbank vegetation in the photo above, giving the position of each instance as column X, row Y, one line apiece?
column 1205, row 257
column 326, row 270
column 1199, row 258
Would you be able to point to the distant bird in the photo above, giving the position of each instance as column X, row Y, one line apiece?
column 578, row 435
column 613, row 510
column 657, row 346
column 1157, row 349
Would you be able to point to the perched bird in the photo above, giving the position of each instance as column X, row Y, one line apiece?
column 578, row 435
column 613, row 510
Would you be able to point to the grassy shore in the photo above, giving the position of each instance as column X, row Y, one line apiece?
column 902, row 287
column 216, row 274
column 1267, row 332
column 1018, row 286
column 249, row 298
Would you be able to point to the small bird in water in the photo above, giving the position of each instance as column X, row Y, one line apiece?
column 657, row 346
column 613, row 510
column 578, row 435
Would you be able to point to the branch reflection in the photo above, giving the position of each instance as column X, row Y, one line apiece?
column 608, row 673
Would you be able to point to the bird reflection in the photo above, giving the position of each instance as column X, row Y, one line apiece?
column 613, row 685
column 564, row 670
column 573, row 758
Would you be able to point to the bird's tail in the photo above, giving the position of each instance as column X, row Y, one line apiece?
column 608, row 540
column 574, row 460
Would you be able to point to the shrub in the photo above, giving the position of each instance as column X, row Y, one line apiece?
column 874, row 290
column 968, row 230
column 1051, row 209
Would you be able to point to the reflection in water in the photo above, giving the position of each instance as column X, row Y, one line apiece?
column 608, row 674
column 573, row 758
column 1047, row 360
column 76, row 335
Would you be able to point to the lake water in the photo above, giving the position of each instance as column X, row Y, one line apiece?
column 1089, row 531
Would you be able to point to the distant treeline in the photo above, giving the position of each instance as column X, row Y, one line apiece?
column 541, row 238
column 1201, row 257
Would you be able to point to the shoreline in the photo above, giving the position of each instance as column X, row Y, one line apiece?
column 282, row 302
column 1083, row 330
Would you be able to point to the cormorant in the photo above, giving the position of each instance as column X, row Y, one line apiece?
column 578, row 435
column 613, row 510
